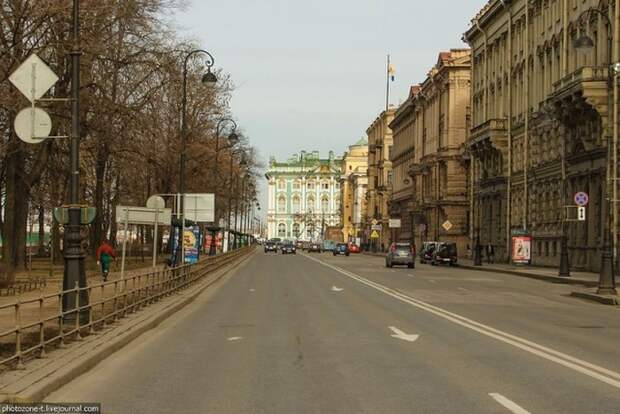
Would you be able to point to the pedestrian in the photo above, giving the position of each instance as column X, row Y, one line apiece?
column 105, row 254
column 490, row 253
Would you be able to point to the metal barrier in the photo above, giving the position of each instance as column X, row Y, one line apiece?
column 41, row 322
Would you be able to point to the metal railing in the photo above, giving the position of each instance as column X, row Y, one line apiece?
column 40, row 323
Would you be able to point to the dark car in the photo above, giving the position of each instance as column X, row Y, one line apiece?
column 299, row 244
column 314, row 247
column 426, row 252
column 341, row 249
column 445, row 253
column 288, row 248
column 400, row 254
column 271, row 246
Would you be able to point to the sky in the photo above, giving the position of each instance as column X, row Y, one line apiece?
column 311, row 75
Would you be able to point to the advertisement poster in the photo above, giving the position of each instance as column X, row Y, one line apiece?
column 521, row 249
column 191, row 244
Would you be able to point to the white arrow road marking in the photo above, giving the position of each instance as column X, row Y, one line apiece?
column 337, row 289
column 398, row 334
column 514, row 408
column 235, row 338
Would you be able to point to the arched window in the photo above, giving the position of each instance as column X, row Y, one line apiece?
column 310, row 204
column 282, row 204
column 296, row 185
column 325, row 204
column 296, row 204
column 310, row 185
column 281, row 230
column 281, row 185
column 296, row 230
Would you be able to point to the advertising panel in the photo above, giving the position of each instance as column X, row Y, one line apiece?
column 521, row 249
column 191, row 244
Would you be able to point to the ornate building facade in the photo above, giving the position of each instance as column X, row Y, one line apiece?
column 541, row 125
column 303, row 196
column 353, row 186
column 379, row 179
column 430, row 168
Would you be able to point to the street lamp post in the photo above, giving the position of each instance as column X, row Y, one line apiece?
column 208, row 78
column 233, row 178
column 607, row 282
column 74, row 274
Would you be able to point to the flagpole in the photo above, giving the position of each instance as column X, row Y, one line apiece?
column 387, row 85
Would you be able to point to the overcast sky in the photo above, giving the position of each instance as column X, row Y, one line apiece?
column 310, row 74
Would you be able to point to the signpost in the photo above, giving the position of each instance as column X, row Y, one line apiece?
column 395, row 223
column 447, row 225
column 581, row 214
column 581, row 199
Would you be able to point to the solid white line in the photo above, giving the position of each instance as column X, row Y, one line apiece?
column 512, row 406
column 568, row 361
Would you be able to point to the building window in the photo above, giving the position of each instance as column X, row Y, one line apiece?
column 296, row 204
column 310, row 185
column 281, row 230
column 310, row 230
column 337, row 185
column 296, row 185
column 325, row 185
column 281, row 185
column 310, row 204
column 296, row 230
column 325, row 204
column 281, row 204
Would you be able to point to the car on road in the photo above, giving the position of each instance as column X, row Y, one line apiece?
column 445, row 253
column 400, row 254
column 341, row 249
column 304, row 245
column 288, row 248
column 426, row 252
column 314, row 247
column 354, row 248
column 270, row 246
column 299, row 244
column 328, row 245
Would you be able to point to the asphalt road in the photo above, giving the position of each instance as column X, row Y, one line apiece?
column 323, row 334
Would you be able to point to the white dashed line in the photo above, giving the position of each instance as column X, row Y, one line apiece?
column 512, row 406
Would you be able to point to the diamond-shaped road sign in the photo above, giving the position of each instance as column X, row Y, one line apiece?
column 33, row 78
column 447, row 225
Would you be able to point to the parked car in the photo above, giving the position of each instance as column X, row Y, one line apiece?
column 354, row 248
column 328, row 245
column 305, row 245
column 288, row 248
column 299, row 244
column 445, row 253
column 426, row 252
column 271, row 246
column 341, row 249
column 400, row 254
column 314, row 247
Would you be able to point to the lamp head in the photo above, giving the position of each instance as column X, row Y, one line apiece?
column 583, row 43
column 209, row 78
column 233, row 138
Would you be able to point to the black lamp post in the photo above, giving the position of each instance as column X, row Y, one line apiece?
column 242, row 164
column 208, row 78
column 607, row 282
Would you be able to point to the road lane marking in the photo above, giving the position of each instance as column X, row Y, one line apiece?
column 594, row 371
column 398, row 334
column 337, row 289
column 432, row 280
column 235, row 338
column 511, row 405
column 463, row 289
column 251, row 290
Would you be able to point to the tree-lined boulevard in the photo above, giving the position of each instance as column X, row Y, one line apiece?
column 318, row 333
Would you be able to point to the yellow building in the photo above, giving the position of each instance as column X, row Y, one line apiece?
column 354, row 182
column 379, row 181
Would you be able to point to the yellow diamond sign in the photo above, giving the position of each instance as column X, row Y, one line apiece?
column 447, row 225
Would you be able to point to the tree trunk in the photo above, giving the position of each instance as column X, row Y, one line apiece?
column 41, row 231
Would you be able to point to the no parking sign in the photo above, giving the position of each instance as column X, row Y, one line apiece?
column 581, row 199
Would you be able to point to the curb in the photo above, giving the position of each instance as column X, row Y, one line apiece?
column 52, row 382
column 605, row 300
column 552, row 279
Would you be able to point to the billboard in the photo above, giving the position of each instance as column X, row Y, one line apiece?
column 200, row 207
column 522, row 249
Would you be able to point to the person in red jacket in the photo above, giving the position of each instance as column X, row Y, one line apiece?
column 105, row 254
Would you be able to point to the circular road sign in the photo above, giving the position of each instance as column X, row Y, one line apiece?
column 156, row 201
column 581, row 199
column 33, row 125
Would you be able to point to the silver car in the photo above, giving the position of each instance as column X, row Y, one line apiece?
column 400, row 254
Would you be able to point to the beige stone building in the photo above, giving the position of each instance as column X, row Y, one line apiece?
column 353, row 186
column 430, row 169
column 541, row 125
column 379, row 179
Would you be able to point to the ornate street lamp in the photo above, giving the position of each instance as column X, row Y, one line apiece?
column 208, row 78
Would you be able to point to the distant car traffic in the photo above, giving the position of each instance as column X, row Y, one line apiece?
column 445, row 253
column 400, row 254
column 270, row 246
column 288, row 248
column 354, row 248
column 299, row 244
column 426, row 252
column 328, row 245
column 341, row 249
column 314, row 247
